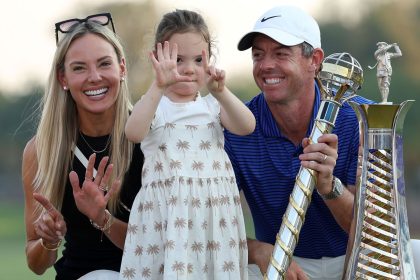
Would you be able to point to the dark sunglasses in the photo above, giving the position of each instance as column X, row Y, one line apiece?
column 67, row 26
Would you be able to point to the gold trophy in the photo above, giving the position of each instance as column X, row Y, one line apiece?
column 379, row 239
column 340, row 78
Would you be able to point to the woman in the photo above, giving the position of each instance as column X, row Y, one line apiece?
column 84, row 110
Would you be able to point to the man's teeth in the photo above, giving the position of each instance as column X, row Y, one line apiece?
column 95, row 92
column 272, row 81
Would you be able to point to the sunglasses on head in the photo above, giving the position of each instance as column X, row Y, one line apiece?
column 67, row 26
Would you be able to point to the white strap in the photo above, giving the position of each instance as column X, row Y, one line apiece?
column 82, row 159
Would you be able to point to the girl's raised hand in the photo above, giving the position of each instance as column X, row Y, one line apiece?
column 92, row 197
column 165, row 65
column 216, row 77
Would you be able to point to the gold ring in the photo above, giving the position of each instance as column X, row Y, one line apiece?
column 325, row 158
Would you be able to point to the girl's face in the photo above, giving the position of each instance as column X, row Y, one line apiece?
column 189, row 63
column 92, row 73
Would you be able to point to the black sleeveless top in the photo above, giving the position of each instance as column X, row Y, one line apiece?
column 83, row 249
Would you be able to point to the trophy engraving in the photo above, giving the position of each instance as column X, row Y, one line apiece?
column 340, row 78
column 379, row 239
column 383, row 66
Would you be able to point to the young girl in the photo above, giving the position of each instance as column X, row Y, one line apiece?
column 186, row 221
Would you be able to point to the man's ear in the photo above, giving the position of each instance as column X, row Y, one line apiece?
column 317, row 58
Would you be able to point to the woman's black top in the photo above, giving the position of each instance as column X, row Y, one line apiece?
column 83, row 249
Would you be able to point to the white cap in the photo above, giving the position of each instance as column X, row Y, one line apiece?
column 288, row 25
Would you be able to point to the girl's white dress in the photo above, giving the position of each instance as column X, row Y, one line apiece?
column 186, row 221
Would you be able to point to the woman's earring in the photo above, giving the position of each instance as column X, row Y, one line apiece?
column 65, row 88
column 122, row 78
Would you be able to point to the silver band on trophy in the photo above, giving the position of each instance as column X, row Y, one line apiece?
column 340, row 78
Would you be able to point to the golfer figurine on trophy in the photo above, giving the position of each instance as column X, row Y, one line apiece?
column 379, row 240
column 383, row 66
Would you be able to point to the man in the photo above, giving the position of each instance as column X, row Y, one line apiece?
column 287, row 54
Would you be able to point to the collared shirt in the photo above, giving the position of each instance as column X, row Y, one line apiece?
column 266, row 164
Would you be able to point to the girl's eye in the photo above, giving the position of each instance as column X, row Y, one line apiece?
column 178, row 59
column 199, row 59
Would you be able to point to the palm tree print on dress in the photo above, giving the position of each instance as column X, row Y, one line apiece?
column 131, row 230
column 212, row 127
column 195, row 203
column 183, row 146
column 158, row 167
column 178, row 267
column 168, row 245
column 243, row 244
column 190, row 182
column 169, row 126
column 220, row 145
column 139, row 250
column 180, row 223
column 153, row 250
column 190, row 268
column 129, row 273
column 158, row 227
column 235, row 221
column 213, row 246
column 175, row 165
column 163, row 147
column 191, row 128
column 216, row 167
column 197, row 247
column 146, row 273
column 206, row 268
column 197, row 166
column 161, row 269
column 225, row 200
column 205, row 146
column 222, row 224
column 228, row 266
column 232, row 243
column 172, row 201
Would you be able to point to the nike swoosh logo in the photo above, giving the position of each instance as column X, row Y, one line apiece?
column 267, row 18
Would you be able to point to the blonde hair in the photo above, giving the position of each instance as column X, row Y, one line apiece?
column 58, row 127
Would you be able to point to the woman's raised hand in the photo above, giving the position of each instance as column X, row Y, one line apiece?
column 92, row 197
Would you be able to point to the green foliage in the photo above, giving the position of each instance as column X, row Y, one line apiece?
column 12, row 244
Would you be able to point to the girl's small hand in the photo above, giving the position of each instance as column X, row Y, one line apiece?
column 92, row 197
column 216, row 77
column 165, row 65
column 50, row 226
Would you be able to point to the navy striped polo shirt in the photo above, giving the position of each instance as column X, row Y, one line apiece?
column 266, row 164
